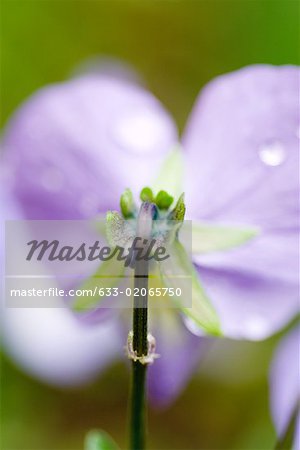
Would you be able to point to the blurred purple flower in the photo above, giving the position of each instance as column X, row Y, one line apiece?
column 73, row 148
column 285, row 384
column 242, row 154
column 50, row 343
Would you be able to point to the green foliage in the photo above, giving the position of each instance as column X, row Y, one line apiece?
column 99, row 440
column 201, row 311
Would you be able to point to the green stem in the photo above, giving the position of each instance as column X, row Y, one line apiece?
column 140, row 346
column 138, row 406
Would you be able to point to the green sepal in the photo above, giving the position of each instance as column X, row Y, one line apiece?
column 127, row 204
column 178, row 212
column 99, row 440
column 114, row 225
column 213, row 238
column 179, row 272
column 146, row 195
column 119, row 231
column 170, row 177
column 163, row 200
column 108, row 275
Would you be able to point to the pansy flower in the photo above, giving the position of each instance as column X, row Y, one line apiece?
column 73, row 148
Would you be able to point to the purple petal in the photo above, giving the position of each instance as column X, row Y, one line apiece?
column 284, row 381
column 254, row 288
column 8, row 211
column 259, row 256
column 51, row 344
column 75, row 146
column 180, row 352
column 250, row 307
column 242, row 148
column 242, row 158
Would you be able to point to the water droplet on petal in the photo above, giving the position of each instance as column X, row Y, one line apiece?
column 256, row 327
column 272, row 154
column 192, row 326
column 140, row 131
column 52, row 179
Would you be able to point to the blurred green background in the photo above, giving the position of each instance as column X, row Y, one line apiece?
column 176, row 47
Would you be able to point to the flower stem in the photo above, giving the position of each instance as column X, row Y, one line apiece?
column 138, row 406
column 140, row 346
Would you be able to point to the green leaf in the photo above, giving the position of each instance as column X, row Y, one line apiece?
column 211, row 238
column 163, row 200
column 178, row 272
column 99, row 440
column 127, row 204
column 146, row 195
column 170, row 177
column 108, row 275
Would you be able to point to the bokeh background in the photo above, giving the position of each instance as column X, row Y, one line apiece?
column 176, row 47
